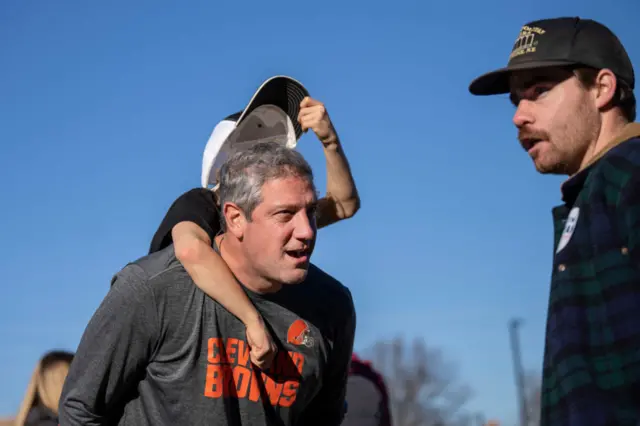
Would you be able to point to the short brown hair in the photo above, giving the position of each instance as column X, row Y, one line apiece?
column 624, row 97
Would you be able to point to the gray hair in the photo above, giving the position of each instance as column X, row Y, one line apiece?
column 245, row 172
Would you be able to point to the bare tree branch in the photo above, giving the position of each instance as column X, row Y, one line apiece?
column 423, row 387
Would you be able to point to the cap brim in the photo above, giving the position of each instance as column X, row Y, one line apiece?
column 283, row 92
column 497, row 82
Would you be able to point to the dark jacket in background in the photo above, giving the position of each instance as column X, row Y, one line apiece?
column 41, row 416
column 367, row 396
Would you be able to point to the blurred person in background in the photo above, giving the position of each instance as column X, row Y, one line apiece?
column 281, row 110
column 367, row 396
column 571, row 82
column 40, row 404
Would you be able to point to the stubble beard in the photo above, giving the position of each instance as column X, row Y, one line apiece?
column 569, row 143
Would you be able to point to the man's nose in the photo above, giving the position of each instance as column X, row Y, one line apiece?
column 305, row 227
column 523, row 114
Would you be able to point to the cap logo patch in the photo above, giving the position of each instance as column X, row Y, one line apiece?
column 526, row 41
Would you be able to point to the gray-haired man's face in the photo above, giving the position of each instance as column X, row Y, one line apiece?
column 280, row 237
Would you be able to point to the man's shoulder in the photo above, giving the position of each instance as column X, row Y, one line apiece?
column 624, row 158
column 617, row 170
column 326, row 286
column 319, row 276
column 156, row 270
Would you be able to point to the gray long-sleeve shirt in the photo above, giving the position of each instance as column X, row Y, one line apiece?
column 158, row 351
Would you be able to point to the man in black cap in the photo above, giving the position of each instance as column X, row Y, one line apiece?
column 572, row 83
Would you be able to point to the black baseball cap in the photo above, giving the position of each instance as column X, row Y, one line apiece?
column 567, row 41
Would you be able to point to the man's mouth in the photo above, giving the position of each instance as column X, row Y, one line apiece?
column 302, row 254
column 528, row 143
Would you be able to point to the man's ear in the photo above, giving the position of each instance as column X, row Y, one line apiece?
column 235, row 219
column 605, row 85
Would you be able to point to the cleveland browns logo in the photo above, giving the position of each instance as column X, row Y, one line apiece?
column 299, row 334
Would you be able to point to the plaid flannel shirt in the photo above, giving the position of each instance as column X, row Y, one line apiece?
column 591, row 371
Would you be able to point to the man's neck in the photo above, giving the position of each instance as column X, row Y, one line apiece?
column 231, row 253
column 611, row 128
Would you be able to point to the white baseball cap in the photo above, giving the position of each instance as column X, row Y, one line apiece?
column 270, row 115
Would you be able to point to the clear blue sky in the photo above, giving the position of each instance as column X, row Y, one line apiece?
column 106, row 106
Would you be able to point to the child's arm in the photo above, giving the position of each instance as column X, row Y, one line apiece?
column 192, row 223
column 212, row 275
column 341, row 200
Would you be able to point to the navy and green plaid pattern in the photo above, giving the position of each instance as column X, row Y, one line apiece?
column 591, row 372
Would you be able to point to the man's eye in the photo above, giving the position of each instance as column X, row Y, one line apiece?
column 540, row 90
column 530, row 95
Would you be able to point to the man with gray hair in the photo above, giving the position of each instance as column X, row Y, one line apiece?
column 159, row 352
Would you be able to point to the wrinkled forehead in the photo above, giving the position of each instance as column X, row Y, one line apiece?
column 290, row 188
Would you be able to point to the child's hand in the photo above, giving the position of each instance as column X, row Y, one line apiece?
column 313, row 115
column 262, row 348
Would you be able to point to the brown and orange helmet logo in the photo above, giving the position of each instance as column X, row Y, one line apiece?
column 299, row 334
